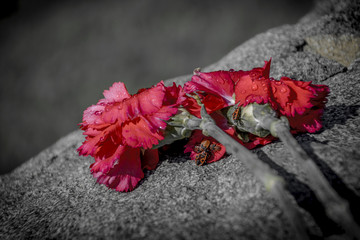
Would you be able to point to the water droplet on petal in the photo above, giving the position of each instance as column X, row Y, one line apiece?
column 274, row 89
column 283, row 90
column 278, row 83
column 265, row 89
column 97, row 113
column 102, row 139
column 254, row 87
column 119, row 107
column 231, row 70
column 243, row 91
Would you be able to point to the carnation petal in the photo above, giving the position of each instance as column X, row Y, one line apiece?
column 105, row 161
column 150, row 159
column 252, row 88
column 255, row 141
column 218, row 83
column 145, row 102
column 309, row 122
column 137, row 133
column 92, row 115
column 299, row 99
column 266, row 69
column 125, row 175
column 280, row 95
column 116, row 93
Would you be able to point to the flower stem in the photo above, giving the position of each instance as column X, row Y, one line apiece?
column 336, row 207
column 272, row 182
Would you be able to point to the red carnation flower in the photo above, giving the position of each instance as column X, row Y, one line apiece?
column 122, row 128
column 301, row 102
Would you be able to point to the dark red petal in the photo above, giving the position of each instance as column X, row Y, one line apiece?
column 255, row 141
column 174, row 95
column 105, row 161
column 320, row 92
column 150, row 159
column 92, row 143
column 213, row 103
column 192, row 106
column 309, row 122
column 299, row 99
column 266, row 69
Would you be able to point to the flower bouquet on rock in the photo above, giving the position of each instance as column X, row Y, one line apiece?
column 218, row 112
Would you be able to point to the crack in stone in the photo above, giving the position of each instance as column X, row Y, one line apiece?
column 343, row 70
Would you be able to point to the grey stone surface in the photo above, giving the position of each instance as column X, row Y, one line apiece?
column 53, row 195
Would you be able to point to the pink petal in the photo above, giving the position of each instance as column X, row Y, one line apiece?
column 116, row 93
column 92, row 115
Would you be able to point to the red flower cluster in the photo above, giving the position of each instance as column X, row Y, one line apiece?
column 301, row 102
column 121, row 129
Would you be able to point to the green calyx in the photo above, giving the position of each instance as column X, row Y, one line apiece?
column 177, row 128
column 258, row 119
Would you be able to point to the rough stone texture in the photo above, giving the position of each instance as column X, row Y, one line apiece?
column 54, row 196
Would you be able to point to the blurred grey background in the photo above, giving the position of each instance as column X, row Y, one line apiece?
column 57, row 57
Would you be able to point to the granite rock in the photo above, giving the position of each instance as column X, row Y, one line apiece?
column 53, row 195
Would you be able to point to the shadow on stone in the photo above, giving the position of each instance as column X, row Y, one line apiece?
column 174, row 153
column 304, row 197
column 339, row 114
column 337, row 183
